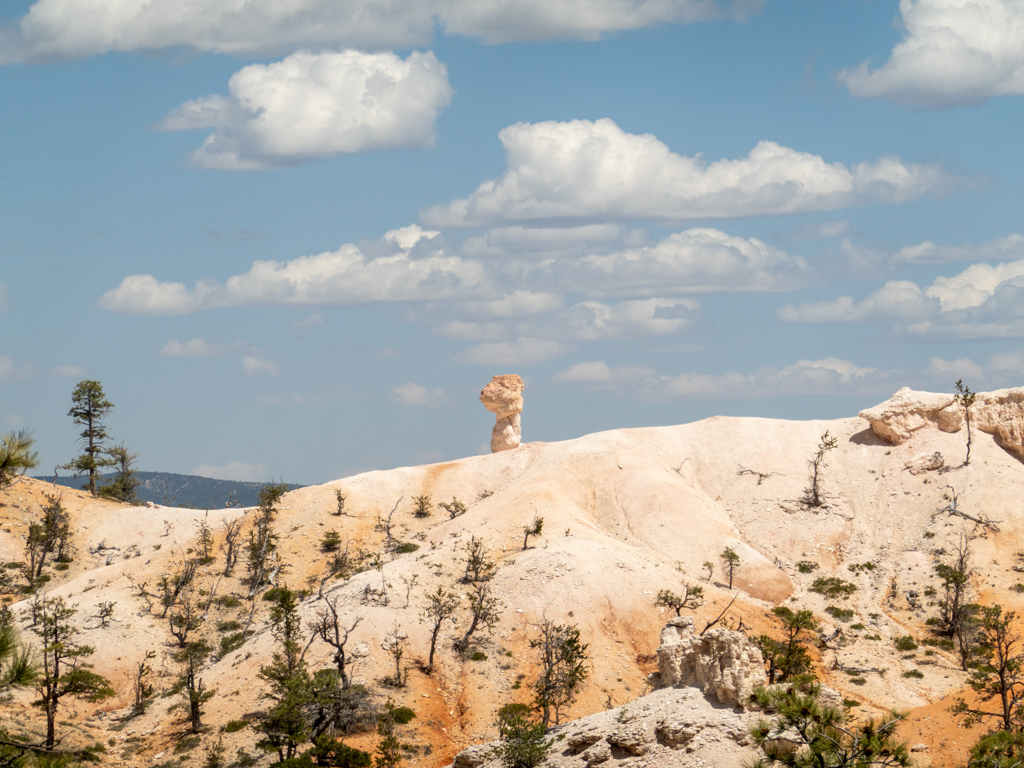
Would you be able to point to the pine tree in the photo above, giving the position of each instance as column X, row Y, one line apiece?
column 122, row 486
column 16, row 456
column 89, row 407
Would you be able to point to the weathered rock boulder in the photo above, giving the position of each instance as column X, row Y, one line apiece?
column 722, row 662
column 1001, row 413
column 504, row 398
column 907, row 411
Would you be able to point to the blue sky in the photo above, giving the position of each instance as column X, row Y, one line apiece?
column 295, row 239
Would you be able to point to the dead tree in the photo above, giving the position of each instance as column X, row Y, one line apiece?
column 327, row 626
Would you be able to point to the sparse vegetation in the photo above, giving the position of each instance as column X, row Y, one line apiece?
column 533, row 529
column 423, row 506
column 455, row 508
column 563, row 668
column 965, row 398
column 806, row 566
column 788, row 657
column 692, row 598
column 833, row 587
column 89, row 406
column 814, row 495
column 730, row 562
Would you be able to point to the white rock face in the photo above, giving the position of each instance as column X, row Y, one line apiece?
column 504, row 398
column 907, row 411
column 723, row 663
column 999, row 413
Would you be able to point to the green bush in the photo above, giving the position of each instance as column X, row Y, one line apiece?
column 228, row 626
column 913, row 673
column 806, row 566
column 833, row 587
column 905, row 643
column 235, row 725
column 406, row 547
column 842, row 614
column 331, row 542
column 478, row 656
column 403, row 715
column 231, row 643
column 860, row 567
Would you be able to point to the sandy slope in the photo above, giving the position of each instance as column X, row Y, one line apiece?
column 621, row 510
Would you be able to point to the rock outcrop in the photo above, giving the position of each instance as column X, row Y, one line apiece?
column 722, row 662
column 672, row 728
column 907, row 411
column 999, row 413
column 504, row 398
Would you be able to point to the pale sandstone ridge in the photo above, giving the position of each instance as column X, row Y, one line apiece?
column 722, row 663
column 504, row 398
column 999, row 413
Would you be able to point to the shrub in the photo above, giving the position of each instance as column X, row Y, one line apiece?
column 842, row 614
column 478, row 656
column 235, row 725
column 859, row 680
column 423, row 506
column 1018, row 587
column 406, row 547
column 833, row 587
column 403, row 715
column 905, row 643
column 806, row 566
column 228, row 626
column 331, row 542
column 860, row 567
column 231, row 643
column 913, row 673
column 858, row 625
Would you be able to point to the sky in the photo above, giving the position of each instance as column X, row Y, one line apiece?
column 294, row 239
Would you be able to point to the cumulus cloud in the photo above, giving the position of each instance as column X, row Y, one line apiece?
column 417, row 395
column 255, row 366
column 595, row 170
column 983, row 301
column 235, row 470
column 1008, row 362
column 192, row 348
column 600, row 374
column 952, row 52
column 316, row 105
column 344, row 277
column 60, row 29
column 949, row 370
column 523, row 351
column 1009, row 247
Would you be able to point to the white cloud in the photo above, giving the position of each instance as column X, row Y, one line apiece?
column 827, row 376
column 952, row 52
column 896, row 299
column 584, row 169
column 1008, row 362
column 192, row 348
column 524, row 351
column 317, row 105
column 345, row 277
column 255, row 366
column 696, row 260
column 983, row 301
column 235, row 470
column 12, row 369
column 963, row 368
column 417, row 395
column 600, row 373
column 4, row 302
column 69, row 371
column 57, row 29
column 1009, row 247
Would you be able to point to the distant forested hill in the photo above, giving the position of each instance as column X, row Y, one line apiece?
column 193, row 491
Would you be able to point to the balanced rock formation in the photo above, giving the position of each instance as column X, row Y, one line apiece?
column 999, row 413
column 504, row 398
column 720, row 662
